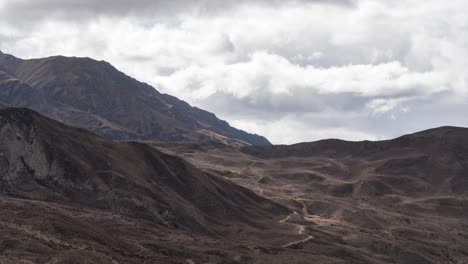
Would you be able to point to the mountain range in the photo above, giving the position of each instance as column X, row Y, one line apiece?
column 96, row 167
column 94, row 95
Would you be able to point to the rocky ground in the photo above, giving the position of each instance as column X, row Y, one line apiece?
column 68, row 196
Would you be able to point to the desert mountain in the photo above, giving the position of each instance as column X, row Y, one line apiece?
column 96, row 96
column 396, row 201
column 79, row 188
column 42, row 159
column 69, row 196
column 432, row 162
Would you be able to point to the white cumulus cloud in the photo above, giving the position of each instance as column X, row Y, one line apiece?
column 290, row 70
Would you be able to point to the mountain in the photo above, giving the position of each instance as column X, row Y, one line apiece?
column 96, row 96
column 396, row 201
column 45, row 160
column 432, row 162
column 69, row 196
column 67, row 193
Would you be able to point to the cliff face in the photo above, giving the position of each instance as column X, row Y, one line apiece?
column 94, row 95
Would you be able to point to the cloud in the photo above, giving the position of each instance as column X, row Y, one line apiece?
column 286, row 128
column 23, row 11
column 291, row 70
column 268, row 83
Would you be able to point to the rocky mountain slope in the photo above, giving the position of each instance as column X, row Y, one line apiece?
column 63, row 190
column 69, row 196
column 96, row 96
column 42, row 159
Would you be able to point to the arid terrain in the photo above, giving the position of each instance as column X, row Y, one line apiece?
column 233, row 132
column 397, row 201
column 68, row 196
column 109, row 170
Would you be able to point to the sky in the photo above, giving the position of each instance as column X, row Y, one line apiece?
column 292, row 71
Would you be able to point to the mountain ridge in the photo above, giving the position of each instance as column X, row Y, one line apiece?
column 344, row 146
column 95, row 95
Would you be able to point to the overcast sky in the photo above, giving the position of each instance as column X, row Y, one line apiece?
column 292, row 71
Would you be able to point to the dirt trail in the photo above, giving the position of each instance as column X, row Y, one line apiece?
column 301, row 229
column 296, row 243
